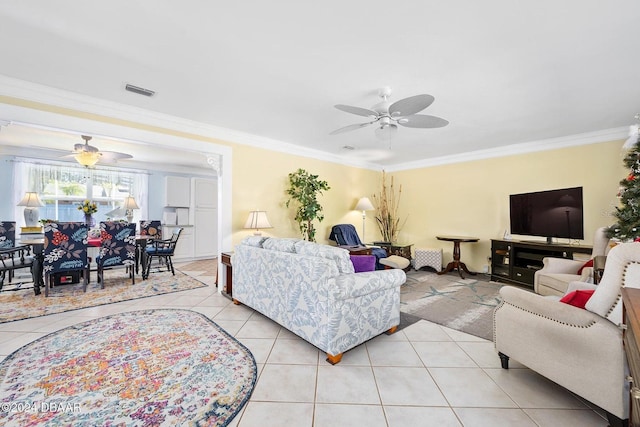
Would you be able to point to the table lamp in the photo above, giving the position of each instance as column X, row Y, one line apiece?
column 256, row 221
column 364, row 204
column 31, row 203
column 129, row 205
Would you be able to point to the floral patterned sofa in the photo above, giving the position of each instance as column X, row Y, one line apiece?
column 312, row 290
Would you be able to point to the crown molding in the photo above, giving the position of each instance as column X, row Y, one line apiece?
column 606, row 135
column 50, row 96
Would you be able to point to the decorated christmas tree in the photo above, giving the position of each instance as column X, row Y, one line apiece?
column 628, row 213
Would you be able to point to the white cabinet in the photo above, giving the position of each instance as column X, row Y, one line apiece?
column 206, row 242
column 184, row 247
column 205, row 193
column 205, row 218
column 177, row 191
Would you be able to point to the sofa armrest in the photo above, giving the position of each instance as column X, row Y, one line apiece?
column 575, row 286
column 560, row 265
column 359, row 284
column 553, row 310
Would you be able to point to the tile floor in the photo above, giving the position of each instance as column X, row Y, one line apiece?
column 424, row 375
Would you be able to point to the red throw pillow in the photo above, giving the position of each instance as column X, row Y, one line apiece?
column 578, row 298
column 586, row 264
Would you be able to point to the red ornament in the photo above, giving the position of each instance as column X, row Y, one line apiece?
column 631, row 177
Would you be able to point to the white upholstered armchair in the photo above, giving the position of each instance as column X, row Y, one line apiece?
column 556, row 274
column 580, row 349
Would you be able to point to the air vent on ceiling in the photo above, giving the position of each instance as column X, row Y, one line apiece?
column 139, row 90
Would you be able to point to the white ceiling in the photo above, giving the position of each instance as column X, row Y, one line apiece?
column 502, row 72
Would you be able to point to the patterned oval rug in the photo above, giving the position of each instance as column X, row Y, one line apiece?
column 150, row 367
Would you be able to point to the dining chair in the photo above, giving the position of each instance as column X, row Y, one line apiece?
column 65, row 250
column 162, row 250
column 16, row 258
column 117, row 247
column 151, row 228
column 7, row 234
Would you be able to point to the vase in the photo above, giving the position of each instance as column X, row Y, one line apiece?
column 89, row 220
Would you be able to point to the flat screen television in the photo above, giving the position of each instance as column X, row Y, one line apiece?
column 551, row 213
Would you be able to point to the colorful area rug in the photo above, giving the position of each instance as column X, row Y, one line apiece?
column 23, row 304
column 462, row 304
column 143, row 368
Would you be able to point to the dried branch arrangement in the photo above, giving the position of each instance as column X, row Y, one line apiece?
column 386, row 204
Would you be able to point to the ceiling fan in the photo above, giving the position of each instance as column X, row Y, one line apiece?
column 388, row 116
column 88, row 155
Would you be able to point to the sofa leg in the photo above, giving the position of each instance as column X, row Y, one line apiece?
column 504, row 360
column 334, row 359
column 616, row 422
column 392, row 330
column 235, row 301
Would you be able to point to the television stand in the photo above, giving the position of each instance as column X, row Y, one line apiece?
column 516, row 261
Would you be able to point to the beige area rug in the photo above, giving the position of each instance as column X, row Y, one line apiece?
column 462, row 304
column 23, row 304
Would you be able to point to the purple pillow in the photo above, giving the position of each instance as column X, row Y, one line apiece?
column 363, row 262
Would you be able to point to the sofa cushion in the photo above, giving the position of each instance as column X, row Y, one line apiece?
column 280, row 244
column 363, row 263
column 578, row 298
column 255, row 241
column 338, row 255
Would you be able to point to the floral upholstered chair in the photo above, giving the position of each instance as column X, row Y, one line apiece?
column 65, row 250
column 117, row 247
column 7, row 234
column 151, row 228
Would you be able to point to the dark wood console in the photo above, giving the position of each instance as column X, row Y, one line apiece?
column 516, row 261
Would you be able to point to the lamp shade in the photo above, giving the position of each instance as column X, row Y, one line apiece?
column 31, row 200
column 130, row 203
column 31, row 203
column 257, row 220
column 364, row 204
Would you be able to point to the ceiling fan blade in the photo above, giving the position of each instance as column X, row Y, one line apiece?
column 351, row 127
column 113, row 156
column 411, row 105
column 422, row 121
column 356, row 110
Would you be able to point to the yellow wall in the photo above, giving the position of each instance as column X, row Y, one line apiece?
column 472, row 198
column 260, row 180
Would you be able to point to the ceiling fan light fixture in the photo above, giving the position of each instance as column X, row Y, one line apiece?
column 386, row 132
column 87, row 158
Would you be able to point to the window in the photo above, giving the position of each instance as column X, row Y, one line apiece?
column 63, row 187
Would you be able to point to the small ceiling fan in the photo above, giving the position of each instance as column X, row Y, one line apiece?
column 388, row 116
column 88, row 155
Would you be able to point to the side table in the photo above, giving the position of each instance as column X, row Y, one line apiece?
column 225, row 259
column 456, row 264
column 357, row 250
column 399, row 249
column 599, row 262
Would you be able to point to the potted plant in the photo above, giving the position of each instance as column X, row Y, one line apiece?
column 303, row 191
column 386, row 204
